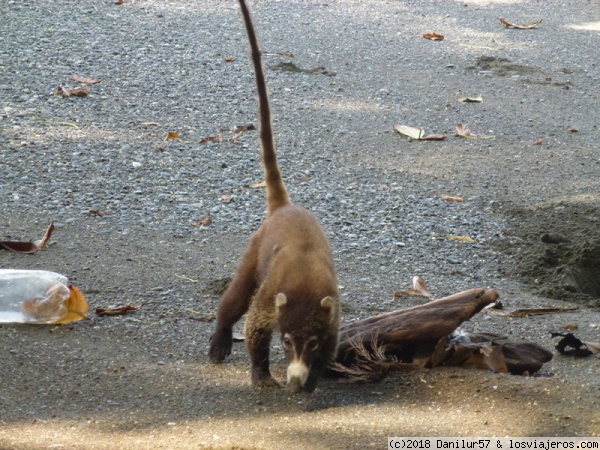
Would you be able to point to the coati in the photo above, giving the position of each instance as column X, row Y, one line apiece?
column 286, row 278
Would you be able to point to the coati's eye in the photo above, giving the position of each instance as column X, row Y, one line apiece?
column 313, row 344
column 286, row 342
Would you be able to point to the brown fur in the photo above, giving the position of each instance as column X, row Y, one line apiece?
column 289, row 255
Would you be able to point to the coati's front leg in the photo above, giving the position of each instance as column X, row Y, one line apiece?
column 259, row 329
column 322, row 360
column 234, row 303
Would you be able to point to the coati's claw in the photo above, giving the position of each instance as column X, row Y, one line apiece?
column 263, row 380
column 220, row 347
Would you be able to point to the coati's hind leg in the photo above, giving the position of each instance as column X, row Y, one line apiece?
column 259, row 328
column 234, row 303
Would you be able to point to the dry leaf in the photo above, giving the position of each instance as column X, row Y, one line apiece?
column 42, row 244
column 238, row 337
column 83, row 80
column 230, row 59
column 226, row 198
column 262, row 184
column 569, row 327
column 471, row 99
column 464, row 131
column 460, row 238
column 173, row 135
column 419, row 288
column 411, row 132
column 241, row 128
column 529, row 311
column 433, row 36
column 579, row 348
column 573, row 130
column 452, row 199
column 235, row 137
column 593, row 347
column 95, row 212
column 29, row 247
column 208, row 139
column 220, row 138
column 204, row 222
column 115, row 311
column 434, row 137
column 287, row 55
column 77, row 307
column 539, row 142
column 66, row 92
column 119, row 2
column 507, row 24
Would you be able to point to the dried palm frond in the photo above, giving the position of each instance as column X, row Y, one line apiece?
column 368, row 364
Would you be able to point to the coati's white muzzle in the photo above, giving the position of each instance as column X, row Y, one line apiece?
column 297, row 374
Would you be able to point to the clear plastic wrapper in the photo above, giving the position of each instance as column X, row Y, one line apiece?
column 37, row 296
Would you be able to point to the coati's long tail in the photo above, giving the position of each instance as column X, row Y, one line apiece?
column 277, row 195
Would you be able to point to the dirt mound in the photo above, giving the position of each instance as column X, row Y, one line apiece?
column 557, row 250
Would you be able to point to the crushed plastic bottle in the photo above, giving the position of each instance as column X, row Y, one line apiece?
column 33, row 296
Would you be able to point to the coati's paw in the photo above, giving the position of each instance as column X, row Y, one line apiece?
column 220, row 346
column 263, row 380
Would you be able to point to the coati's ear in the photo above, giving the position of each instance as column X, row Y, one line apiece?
column 280, row 300
column 327, row 304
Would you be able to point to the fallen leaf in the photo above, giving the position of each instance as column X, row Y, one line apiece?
column 539, row 142
column 42, row 244
column 262, row 184
column 433, row 36
column 419, row 288
column 464, row 131
column 230, row 59
column 95, row 212
column 19, row 247
column 119, row 2
column 66, row 92
column 208, row 139
column 203, row 318
column 29, row 247
column 471, row 99
column 478, row 47
column 204, row 222
column 460, row 238
column 226, row 198
column 238, row 337
column 191, row 280
column 83, row 80
column 77, row 307
column 287, row 55
column 452, row 199
column 507, row 24
column 573, row 130
column 220, row 138
column 569, row 327
column 579, row 348
column 149, row 124
column 173, row 135
column 115, row 311
column 593, row 347
column 241, row 128
column 411, row 132
column 434, row 137
column 529, row 311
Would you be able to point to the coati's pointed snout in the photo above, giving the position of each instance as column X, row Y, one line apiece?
column 297, row 374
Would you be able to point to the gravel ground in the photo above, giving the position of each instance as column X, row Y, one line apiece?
column 142, row 380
